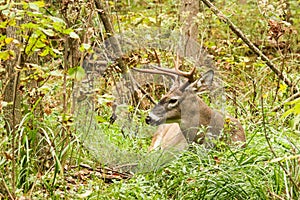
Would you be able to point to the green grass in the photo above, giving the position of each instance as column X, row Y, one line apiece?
column 208, row 174
column 229, row 173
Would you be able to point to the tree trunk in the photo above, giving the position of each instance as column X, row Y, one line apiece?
column 12, row 113
column 188, row 13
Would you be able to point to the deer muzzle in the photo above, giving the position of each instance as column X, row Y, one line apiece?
column 152, row 119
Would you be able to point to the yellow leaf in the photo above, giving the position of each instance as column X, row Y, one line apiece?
column 8, row 40
column 264, row 96
column 282, row 87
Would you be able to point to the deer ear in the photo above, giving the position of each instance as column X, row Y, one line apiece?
column 204, row 83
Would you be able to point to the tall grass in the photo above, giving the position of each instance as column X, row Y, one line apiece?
column 249, row 173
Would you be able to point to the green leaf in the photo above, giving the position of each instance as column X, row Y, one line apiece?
column 39, row 44
column 8, row 40
column 45, row 52
column 57, row 20
column 4, row 55
column 40, row 4
column 84, row 46
column 68, row 31
column 34, row 6
column 74, row 35
column 294, row 110
column 48, row 32
column 100, row 119
column 76, row 73
column 29, row 25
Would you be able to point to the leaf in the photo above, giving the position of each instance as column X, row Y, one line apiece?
column 76, row 73
column 56, row 73
column 100, row 119
column 40, row 4
column 57, row 51
column 5, row 55
column 74, row 35
column 45, row 52
column 39, row 44
column 57, row 20
column 30, row 25
column 84, row 46
column 34, row 6
column 48, row 32
column 85, row 195
column 3, row 7
column 294, row 110
column 8, row 40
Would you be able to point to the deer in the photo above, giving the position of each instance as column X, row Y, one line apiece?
column 168, row 137
column 198, row 122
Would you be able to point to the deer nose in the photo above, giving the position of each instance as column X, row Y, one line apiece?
column 148, row 119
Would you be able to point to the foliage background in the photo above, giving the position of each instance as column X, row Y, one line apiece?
column 43, row 47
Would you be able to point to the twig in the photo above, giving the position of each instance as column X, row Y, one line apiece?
column 6, row 188
column 275, row 195
column 241, row 35
column 103, row 14
column 149, row 97
column 270, row 145
column 104, row 18
column 104, row 170
column 291, row 98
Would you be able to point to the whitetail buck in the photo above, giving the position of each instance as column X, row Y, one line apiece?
column 198, row 122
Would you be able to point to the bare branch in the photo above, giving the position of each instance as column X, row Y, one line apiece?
column 291, row 98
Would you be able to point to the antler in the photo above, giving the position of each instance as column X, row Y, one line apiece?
column 189, row 75
column 158, row 70
column 174, row 74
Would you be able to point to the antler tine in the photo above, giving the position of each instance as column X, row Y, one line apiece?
column 158, row 70
column 189, row 75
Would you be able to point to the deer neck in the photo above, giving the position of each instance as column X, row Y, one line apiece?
column 194, row 114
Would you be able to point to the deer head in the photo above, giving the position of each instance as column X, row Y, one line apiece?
column 169, row 108
column 181, row 105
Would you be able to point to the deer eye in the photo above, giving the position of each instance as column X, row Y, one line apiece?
column 173, row 102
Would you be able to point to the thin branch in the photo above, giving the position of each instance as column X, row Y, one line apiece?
column 103, row 14
column 291, row 98
column 6, row 188
column 149, row 97
column 241, row 35
column 105, row 18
